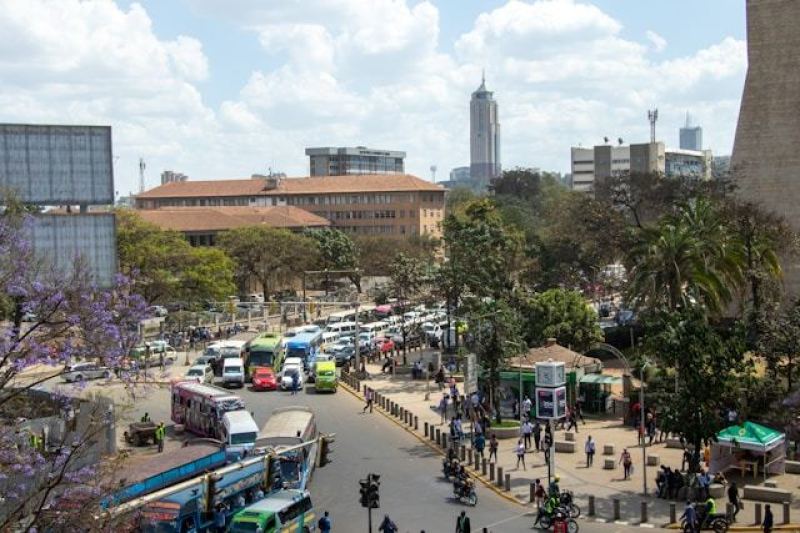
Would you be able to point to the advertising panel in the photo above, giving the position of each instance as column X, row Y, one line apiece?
column 550, row 374
column 551, row 402
column 62, row 239
column 57, row 165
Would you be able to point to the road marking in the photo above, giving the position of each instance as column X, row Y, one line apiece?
column 509, row 519
column 650, row 526
column 622, row 522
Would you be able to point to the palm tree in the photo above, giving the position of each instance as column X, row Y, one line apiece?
column 689, row 257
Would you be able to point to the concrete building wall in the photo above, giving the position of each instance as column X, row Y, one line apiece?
column 766, row 161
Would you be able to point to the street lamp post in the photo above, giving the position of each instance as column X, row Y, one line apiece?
column 641, row 429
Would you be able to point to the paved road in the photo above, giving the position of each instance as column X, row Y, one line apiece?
column 412, row 490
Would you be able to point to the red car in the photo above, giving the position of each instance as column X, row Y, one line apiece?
column 264, row 379
column 384, row 344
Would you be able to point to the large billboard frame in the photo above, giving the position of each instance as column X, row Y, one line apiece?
column 53, row 165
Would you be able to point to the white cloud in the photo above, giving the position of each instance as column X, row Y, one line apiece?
column 346, row 72
column 658, row 42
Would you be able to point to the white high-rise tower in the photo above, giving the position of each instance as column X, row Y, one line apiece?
column 484, row 136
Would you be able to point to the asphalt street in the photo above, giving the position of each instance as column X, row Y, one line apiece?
column 413, row 492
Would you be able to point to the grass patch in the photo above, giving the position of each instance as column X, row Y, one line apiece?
column 505, row 424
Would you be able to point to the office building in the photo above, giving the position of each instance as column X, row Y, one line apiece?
column 691, row 137
column 484, row 137
column 396, row 205
column 591, row 164
column 344, row 161
column 169, row 176
column 460, row 175
column 766, row 161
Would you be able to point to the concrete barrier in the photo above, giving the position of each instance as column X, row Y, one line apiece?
column 793, row 467
column 673, row 442
column 716, row 490
column 608, row 449
column 766, row 494
column 569, row 436
column 609, row 464
column 653, row 460
column 564, row 446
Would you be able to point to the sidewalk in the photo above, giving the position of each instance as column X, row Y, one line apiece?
column 604, row 485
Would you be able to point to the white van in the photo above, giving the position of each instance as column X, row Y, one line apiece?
column 233, row 372
column 238, row 431
column 342, row 328
column 375, row 329
column 330, row 337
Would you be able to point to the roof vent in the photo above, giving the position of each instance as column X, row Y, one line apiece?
column 270, row 182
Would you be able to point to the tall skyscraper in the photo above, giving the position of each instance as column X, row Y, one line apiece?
column 484, row 136
column 765, row 162
column 691, row 137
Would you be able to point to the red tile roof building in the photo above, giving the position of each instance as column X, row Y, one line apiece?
column 390, row 205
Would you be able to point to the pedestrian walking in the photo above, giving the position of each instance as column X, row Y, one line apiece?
column 479, row 444
column 325, row 523
column 690, row 516
column 520, row 454
column 767, row 524
column 573, row 423
column 443, row 409
column 733, row 498
column 368, row 397
column 579, row 411
column 493, row 447
column 527, row 431
column 589, row 449
column 462, row 523
column 627, row 463
column 537, row 434
column 538, row 493
column 526, row 406
column 161, row 431
column 387, row 526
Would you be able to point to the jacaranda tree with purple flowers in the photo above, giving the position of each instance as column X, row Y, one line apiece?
column 51, row 319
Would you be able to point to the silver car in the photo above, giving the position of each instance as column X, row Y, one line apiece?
column 83, row 371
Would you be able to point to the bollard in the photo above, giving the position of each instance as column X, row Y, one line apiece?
column 477, row 462
column 508, row 482
column 444, row 441
column 426, row 429
column 643, row 507
column 491, row 471
column 758, row 514
column 416, row 423
column 785, row 512
column 673, row 513
column 532, row 495
column 499, row 476
column 484, row 465
column 438, row 437
column 616, row 509
column 591, row 503
column 469, row 456
column 365, row 389
column 462, row 453
column 729, row 511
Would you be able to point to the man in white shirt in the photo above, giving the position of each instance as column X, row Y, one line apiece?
column 527, row 431
column 526, row 407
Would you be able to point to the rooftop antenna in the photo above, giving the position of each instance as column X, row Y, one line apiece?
column 652, row 116
column 142, row 166
column 433, row 173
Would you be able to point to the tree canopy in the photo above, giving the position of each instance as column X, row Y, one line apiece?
column 561, row 314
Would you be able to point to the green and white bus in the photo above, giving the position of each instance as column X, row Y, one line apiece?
column 265, row 350
column 283, row 511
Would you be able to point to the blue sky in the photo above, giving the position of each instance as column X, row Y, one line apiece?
column 225, row 89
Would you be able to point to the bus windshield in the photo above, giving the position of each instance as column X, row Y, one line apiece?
column 262, row 356
column 294, row 351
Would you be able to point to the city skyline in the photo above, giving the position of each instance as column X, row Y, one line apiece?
column 226, row 94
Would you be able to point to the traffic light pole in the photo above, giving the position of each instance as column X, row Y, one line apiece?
column 369, row 518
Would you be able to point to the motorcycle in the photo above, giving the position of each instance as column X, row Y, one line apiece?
column 559, row 514
column 448, row 468
column 567, row 502
column 464, row 490
column 717, row 522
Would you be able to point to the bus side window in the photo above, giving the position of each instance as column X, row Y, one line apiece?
column 270, row 523
column 305, row 505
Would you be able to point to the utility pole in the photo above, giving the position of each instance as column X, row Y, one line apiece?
column 370, row 495
column 641, row 429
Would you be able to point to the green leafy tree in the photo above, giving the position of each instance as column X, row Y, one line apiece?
column 779, row 344
column 273, row 257
column 494, row 326
column 688, row 257
column 169, row 268
column 408, row 277
column 483, row 249
column 336, row 251
column 376, row 253
column 708, row 365
column 561, row 314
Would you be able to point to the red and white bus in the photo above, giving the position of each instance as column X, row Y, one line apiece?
column 200, row 407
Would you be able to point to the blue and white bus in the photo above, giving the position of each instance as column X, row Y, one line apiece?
column 305, row 344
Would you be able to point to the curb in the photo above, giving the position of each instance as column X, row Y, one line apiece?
column 488, row 484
